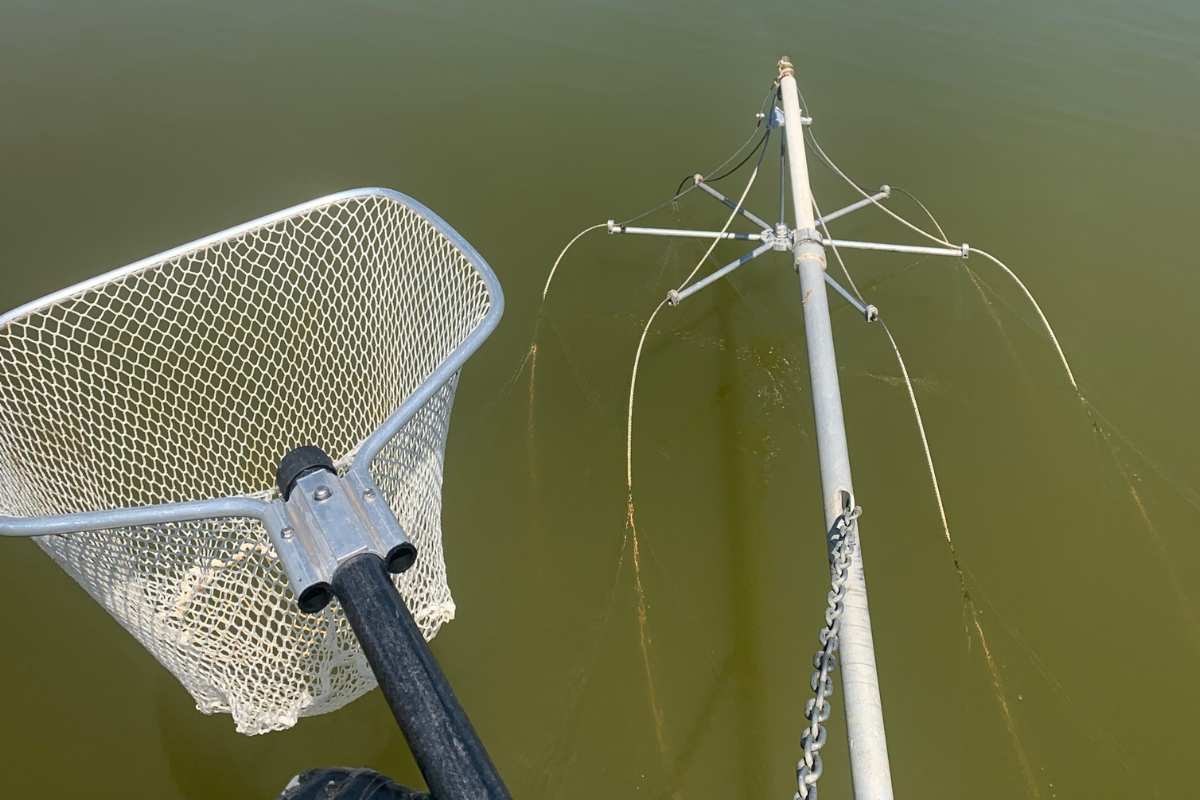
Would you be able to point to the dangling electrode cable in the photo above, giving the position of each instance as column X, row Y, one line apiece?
column 917, row 229
column 680, row 192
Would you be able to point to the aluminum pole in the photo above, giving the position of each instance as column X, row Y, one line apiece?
column 883, row 194
column 683, row 233
column 675, row 297
column 958, row 252
column 860, row 683
column 759, row 221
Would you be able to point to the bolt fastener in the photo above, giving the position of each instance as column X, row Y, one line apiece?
column 322, row 493
column 368, row 494
column 287, row 531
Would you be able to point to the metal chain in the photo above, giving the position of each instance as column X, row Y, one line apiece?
column 817, row 710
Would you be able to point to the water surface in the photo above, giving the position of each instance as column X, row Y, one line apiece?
column 1059, row 136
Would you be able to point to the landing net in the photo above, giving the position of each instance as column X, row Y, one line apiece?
column 186, row 377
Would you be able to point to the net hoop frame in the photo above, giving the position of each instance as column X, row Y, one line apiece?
column 240, row 506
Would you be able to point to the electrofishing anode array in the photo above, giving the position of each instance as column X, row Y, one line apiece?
column 217, row 441
column 846, row 620
column 847, row 623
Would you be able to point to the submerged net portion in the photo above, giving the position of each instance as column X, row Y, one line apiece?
column 188, row 378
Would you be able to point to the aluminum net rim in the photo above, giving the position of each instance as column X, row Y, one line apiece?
column 424, row 410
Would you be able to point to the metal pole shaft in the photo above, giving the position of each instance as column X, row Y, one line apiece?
column 674, row 297
column 683, row 233
column 761, row 223
column 782, row 180
column 869, row 766
column 882, row 194
column 961, row 252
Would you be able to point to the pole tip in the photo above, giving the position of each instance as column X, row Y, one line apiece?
column 785, row 67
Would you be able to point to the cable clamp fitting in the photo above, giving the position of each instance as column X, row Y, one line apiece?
column 673, row 297
column 806, row 236
column 779, row 239
column 966, row 250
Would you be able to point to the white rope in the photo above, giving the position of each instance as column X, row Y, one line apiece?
column 829, row 163
column 845, row 271
column 937, row 491
column 724, row 229
column 718, row 168
column 1037, row 308
column 631, row 527
column 632, row 385
column 1054, row 339
column 912, row 395
column 564, row 252
column 928, row 213
column 968, row 603
column 638, row 356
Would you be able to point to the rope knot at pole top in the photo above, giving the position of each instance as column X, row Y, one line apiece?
column 785, row 68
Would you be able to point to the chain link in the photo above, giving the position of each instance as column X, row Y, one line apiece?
column 817, row 710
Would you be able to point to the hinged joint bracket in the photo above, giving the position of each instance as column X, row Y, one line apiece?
column 328, row 519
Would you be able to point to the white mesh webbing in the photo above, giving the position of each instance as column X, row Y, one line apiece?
column 188, row 379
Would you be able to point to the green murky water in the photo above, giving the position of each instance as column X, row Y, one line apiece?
column 1059, row 136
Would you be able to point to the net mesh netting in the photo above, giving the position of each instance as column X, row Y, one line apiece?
column 188, row 379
